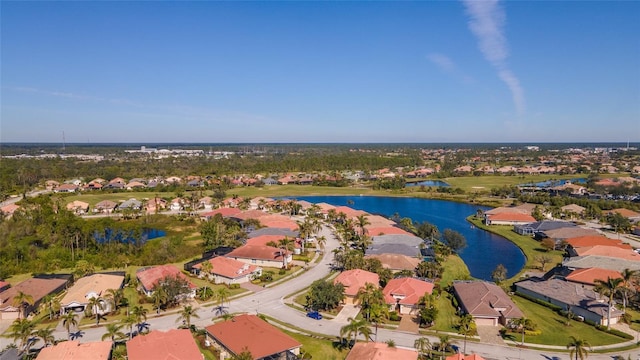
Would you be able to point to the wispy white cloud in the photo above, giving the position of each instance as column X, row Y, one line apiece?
column 75, row 96
column 448, row 66
column 486, row 22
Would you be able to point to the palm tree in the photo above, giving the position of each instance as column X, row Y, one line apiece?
column 362, row 221
column 22, row 329
column 140, row 314
column 608, row 288
column 466, row 327
column 322, row 241
column 159, row 298
column 355, row 328
column 369, row 296
column 222, row 295
column 285, row 244
column 444, row 344
column 46, row 335
column 69, row 320
column 628, row 276
column 186, row 314
column 206, row 268
column 116, row 296
column 523, row 323
column 96, row 305
column 52, row 304
column 378, row 313
column 22, row 301
column 113, row 332
column 423, row 345
column 129, row 321
column 579, row 347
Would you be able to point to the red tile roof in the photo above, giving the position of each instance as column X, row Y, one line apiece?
column 229, row 268
column 609, row 251
column 36, row 287
column 150, row 277
column 249, row 332
column 164, row 345
column 73, row 350
column 505, row 216
column 592, row 240
column 407, row 290
column 256, row 252
column 386, row 230
column 224, row 212
column 589, row 275
column 250, row 214
column 355, row 279
column 380, row 351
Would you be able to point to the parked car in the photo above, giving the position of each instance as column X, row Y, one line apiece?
column 314, row 315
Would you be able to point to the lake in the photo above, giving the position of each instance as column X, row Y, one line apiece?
column 123, row 236
column 432, row 183
column 484, row 250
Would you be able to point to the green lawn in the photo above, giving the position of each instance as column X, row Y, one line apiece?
column 487, row 182
column 95, row 197
column 530, row 247
column 554, row 330
column 320, row 348
column 454, row 269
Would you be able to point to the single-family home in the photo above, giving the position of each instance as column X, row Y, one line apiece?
column 74, row 350
column 174, row 344
column 396, row 262
column 66, row 188
column 229, row 271
column 78, row 207
column 37, row 287
column 8, row 210
column 538, row 227
column 149, row 278
column 133, row 185
column 589, row 276
column 572, row 211
column 508, row 218
column 131, row 204
column 250, row 333
column 580, row 299
column 176, row 204
column 629, row 214
column 260, row 255
column 225, row 212
column 380, row 351
column 486, row 302
column 206, row 203
column 354, row 280
column 92, row 286
column 403, row 294
column 156, row 205
column 105, row 207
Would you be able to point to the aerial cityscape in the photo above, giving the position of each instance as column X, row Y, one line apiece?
column 320, row 180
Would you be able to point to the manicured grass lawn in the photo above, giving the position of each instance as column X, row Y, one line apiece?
column 554, row 330
column 487, row 182
column 95, row 197
column 454, row 269
column 320, row 348
column 530, row 247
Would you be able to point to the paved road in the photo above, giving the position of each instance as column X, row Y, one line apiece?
column 271, row 302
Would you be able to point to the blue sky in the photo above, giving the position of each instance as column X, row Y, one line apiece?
column 431, row 71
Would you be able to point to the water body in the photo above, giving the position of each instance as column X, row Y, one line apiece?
column 552, row 183
column 124, row 236
column 433, row 183
column 484, row 250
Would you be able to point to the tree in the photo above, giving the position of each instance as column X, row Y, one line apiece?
column 96, row 305
column 543, row 260
column 355, row 328
column 22, row 329
column 466, row 327
column 426, row 230
column 322, row 241
column 608, row 288
column 454, row 240
column 140, row 314
column 445, row 344
column 22, row 301
column 628, row 277
column 423, row 345
column 548, row 243
column 46, row 335
column 325, row 295
column 52, row 304
column 69, row 320
column 362, row 221
column 523, row 324
column 578, row 347
column 286, row 245
column 378, row 314
column 186, row 314
column 429, row 270
column 499, row 274
column 159, row 298
column 116, row 296
column 175, row 287
column 369, row 296
column 223, row 296
column 113, row 332
column 244, row 355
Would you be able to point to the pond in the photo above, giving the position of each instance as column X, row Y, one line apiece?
column 432, row 183
column 484, row 250
column 127, row 236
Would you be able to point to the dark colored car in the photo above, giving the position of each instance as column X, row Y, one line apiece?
column 314, row 315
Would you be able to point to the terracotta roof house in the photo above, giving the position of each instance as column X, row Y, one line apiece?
column 78, row 207
column 380, row 351
column 572, row 209
column 349, row 212
column 155, row 205
column 249, row 214
column 206, row 203
column 579, row 298
column 230, row 271
column 589, row 276
column 36, row 287
column 278, row 221
column 459, row 356
column 66, row 188
column 629, row 214
column 117, row 180
column 261, row 255
column 74, row 350
column 177, row 204
column 592, row 240
column 622, row 251
column 135, row 185
column 105, row 207
column 9, row 209
column 175, row 344
column 508, row 218
column 264, row 239
column 250, row 333
column 51, row 184
column 150, row 277
column 486, row 302
column 396, row 262
column 88, row 287
column 354, row 280
column 562, row 234
column 386, row 230
column 224, row 212
column 403, row 294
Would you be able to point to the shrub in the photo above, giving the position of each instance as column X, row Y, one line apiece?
column 234, row 286
column 282, row 271
column 393, row 316
column 615, row 332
